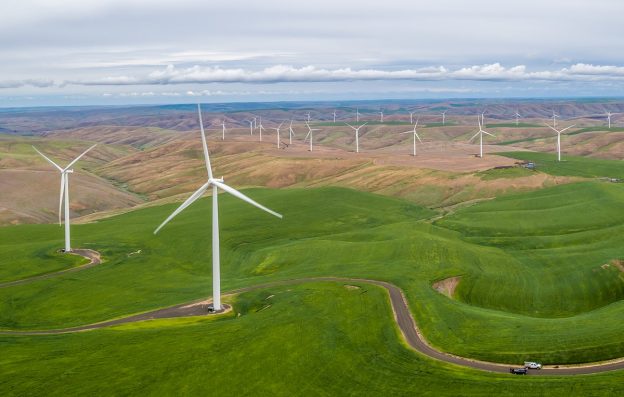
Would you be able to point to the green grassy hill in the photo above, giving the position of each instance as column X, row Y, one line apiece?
column 533, row 288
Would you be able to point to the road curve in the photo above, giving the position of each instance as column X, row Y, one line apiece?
column 402, row 316
column 94, row 260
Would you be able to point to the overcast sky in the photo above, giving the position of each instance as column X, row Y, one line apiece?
column 153, row 51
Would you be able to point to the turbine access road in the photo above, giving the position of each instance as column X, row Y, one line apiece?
column 402, row 316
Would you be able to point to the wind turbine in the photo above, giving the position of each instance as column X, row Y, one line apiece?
column 223, row 133
column 250, row 126
column 357, row 114
column 555, row 116
column 216, row 185
column 261, row 127
column 310, row 134
column 483, row 118
column 308, row 117
column 412, row 117
column 291, row 133
column 415, row 135
column 255, row 125
column 277, row 130
column 609, row 114
column 381, row 116
column 443, row 117
column 480, row 133
column 559, row 139
column 517, row 117
column 357, row 138
column 334, row 117
column 64, row 196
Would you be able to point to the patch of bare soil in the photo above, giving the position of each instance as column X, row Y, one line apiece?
column 351, row 287
column 447, row 286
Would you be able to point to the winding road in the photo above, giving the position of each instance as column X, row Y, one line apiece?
column 402, row 316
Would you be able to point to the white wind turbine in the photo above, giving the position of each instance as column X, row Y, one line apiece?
column 261, row 127
column 310, row 134
column 308, row 117
column 64, row 196
column 381, row 116
column 412, row 117
column 250, row 126
column 223, row 132
column 415, row 135
column 216, row 185
column 480, row 133
column 609, row 114
column 357, row 114
column 517, row 117
column 443, row 117
column 255, row 124
column 558, row 139
column 483, row 118
column 277, row 130
column 357, row 138
column 554, row 117
column 334, row 117
column 291, row 133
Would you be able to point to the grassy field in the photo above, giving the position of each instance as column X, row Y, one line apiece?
column 314, row 339
column 586, row 167
column 533, row 285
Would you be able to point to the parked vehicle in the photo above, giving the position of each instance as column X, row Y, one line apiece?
column 532, row 365
column 518, row 371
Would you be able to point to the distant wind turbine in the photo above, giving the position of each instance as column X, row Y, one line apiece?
column 483, row 119
column 334, row 117
column 308, row 117
column 517, row 117
column 255, row 124
column 216, row 185
column 558, row 139
column 291, row 133
column 609, row 114
column 251, row 127
column 223, row 132
column 554, row 117
column 261, row 127
column 277, row 130
column 357, row 138
column 412, row 117
column 310, row 134
column 415, row 135
column 64, row 196
column 480, row 134
column 357, row 114
column 443, row 117
column 381, row 116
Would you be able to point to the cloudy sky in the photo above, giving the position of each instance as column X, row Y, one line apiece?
column 154, row 51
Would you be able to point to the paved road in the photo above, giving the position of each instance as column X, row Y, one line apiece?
column 94, row 260
column 402, row 315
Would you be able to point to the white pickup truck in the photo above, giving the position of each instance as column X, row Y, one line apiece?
column 532, row 365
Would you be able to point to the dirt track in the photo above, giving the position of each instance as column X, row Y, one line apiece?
column 402, row 315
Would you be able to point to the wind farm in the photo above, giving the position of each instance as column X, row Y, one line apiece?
column 273, row 199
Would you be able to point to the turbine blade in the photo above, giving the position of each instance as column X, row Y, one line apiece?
column 485, row 132
column 416, row 135
column 49, row 161
column 552, row 128
column 350, row 125
column 204, row 144
column 567, row 128
column 474, row 136
column 78, row 158
column 63, row 176
column 241, row 196
column 198, row 193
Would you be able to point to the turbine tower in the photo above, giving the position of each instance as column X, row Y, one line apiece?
column 223, row 133
column 357, row 138
column 412, row 117
column 250, row 126
column 216, row 185
column 381, row 116
column 310, row 134
column 334, row 117
column 277, row 130
column 64, row 195
column 308, row 117
column 357, row 114
column 609, row 114
column 443, row 117
column 480, row 133
column 559, row 139
column 415, row 135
